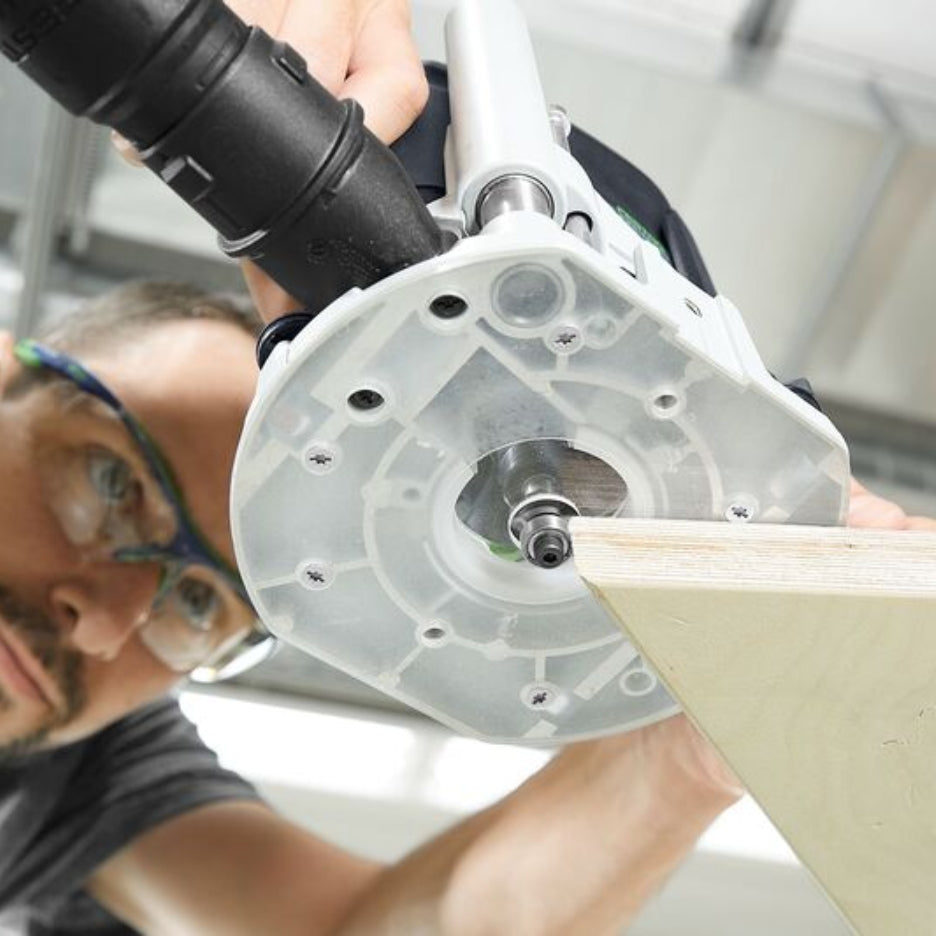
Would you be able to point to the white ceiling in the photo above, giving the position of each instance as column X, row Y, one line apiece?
column 891, row 40
column 894, row 36
column 814, row 205
column 897, row 35
column 812, row 198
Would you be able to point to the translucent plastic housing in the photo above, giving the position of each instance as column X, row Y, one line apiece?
column 344, row 507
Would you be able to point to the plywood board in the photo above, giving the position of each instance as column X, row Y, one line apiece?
column 808, row 657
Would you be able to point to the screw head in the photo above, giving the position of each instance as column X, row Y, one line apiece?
column 320, row 458
column 565, row 339
column 739, row 513
column 315, row 574
column 539, row 696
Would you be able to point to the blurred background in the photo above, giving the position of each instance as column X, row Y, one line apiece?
column 798, row 140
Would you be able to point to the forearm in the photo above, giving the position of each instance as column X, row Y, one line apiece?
column 577, row 849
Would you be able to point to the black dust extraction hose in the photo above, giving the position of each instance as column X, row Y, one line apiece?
column 231, row 120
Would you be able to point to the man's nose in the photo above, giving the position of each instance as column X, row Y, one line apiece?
column 102, row 612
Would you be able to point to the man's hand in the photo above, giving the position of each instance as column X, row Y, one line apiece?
column 355, row 48
column 869, row 510
column 691, row 765
column 361, row 49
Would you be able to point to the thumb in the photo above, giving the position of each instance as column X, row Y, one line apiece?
column 385, row 75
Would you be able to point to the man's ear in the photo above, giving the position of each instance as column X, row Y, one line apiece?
column 7, row 360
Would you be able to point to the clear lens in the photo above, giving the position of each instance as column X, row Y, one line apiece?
column 110, row 476
column 199, row 604
column 101, row 489
column 197, row 620
column 104, row 502
column 256, row 647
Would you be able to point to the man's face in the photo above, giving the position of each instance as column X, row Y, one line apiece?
column 71, row 660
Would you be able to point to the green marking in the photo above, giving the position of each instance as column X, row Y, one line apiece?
column 26, row 354
column 505, row 551
column 644, row 232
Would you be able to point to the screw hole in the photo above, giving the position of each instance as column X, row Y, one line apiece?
column 666, row 401
column 693, row 308
column 365, row 400
column 638, row 682
column 448, row 306
column 434, row 634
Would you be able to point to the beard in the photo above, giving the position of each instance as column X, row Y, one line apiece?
column 64, row 665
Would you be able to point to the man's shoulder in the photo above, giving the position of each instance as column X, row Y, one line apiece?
column 64, row 812
column 46, row 775
column 147, row 766
column 156, row 725
column 50, row 795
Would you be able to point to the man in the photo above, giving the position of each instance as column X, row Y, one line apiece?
column 78, row 652
column 130, row 807
column 116, row 578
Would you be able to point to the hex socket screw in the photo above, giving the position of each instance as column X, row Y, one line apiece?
column 320, row 458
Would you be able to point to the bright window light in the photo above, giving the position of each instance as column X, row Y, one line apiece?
column 744, row 830
column 304, row 748
column 394, row 759
column 469, row 775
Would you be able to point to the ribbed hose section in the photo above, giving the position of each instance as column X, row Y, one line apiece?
column 232, row 121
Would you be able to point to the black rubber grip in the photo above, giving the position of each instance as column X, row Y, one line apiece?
column 232, row 121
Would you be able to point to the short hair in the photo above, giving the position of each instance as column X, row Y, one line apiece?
column 124, row 313
column 138, row 306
